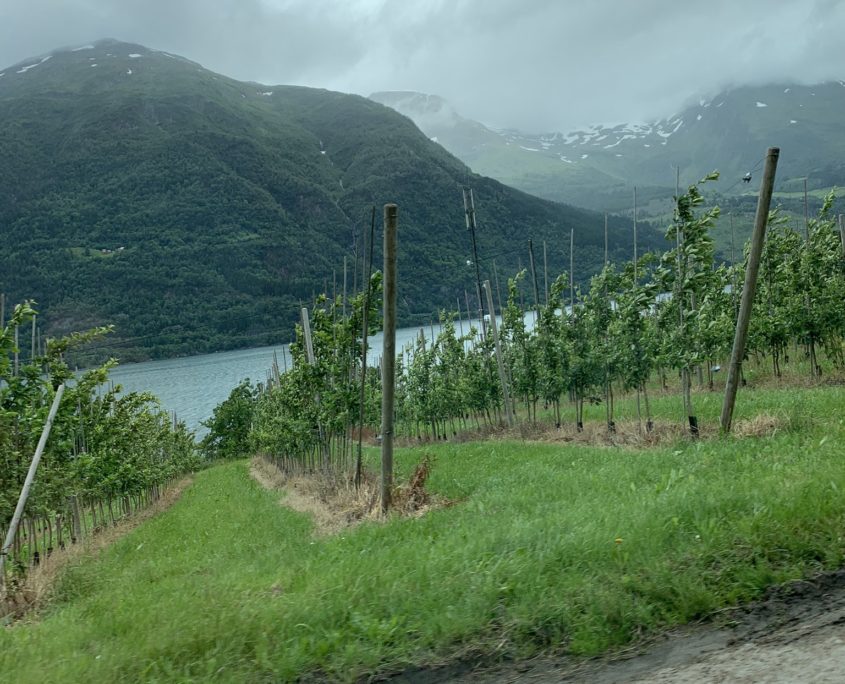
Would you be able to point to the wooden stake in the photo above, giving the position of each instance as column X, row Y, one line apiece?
column 309, row 352
column 460, row 317
column 533, row 279
column 750, row 286
column 733, row 256
column 572, row 269
column 806, row 213
column 498, row 289
column 499, row 359
column 545, row 273
column 344, row 287
column 306, row 333
column 469, row 311
column 635, row 236
column 469, row 211
column 365, row 331
column 388, row 354
column 605, row 239
column 27, row 485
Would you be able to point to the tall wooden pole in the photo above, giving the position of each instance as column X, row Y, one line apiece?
column 842, row 232
column 750, row 287
column 534, row 279
column 389, row 354
column 312, row 360
column 806, row 213
column 306, row 333
column 572, row 269
column 733, row 256
column 469, row 212
column 635, row 236
column 27, row 485
column 546, row 273
column 344, row 287
column 498, row 289
column 503, row 378
column 365, row 331
column 605, row 238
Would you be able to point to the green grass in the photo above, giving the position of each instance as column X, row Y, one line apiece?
column 229, row 586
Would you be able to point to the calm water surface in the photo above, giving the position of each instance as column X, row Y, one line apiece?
column 194, row 385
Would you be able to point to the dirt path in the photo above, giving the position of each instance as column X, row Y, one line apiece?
column 795, row 634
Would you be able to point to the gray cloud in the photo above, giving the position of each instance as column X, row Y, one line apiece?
column 535, row 64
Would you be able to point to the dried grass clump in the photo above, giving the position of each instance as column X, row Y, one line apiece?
column 764, row 425
column 627, row 434
column 335, row 504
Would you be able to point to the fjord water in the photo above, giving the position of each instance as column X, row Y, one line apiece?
column 192, row 386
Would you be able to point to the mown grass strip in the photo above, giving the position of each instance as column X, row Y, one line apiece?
column 552, row 546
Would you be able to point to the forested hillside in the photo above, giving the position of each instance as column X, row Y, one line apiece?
column 195, row 212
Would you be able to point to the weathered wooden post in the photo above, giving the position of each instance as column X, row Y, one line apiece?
column 545, row 273
column 312, row 360
column 842, row 232
column 635, row 236
column 469, row 212
column 306, row 333
column 750, row 286
column 572, row 270
column 27, row 485
column 503, row 378
column 533, row 279
column 388, row 355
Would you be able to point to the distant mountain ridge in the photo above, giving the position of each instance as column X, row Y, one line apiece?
column 594, row 167
column 197, row 212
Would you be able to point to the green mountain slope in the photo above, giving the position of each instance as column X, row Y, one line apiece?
column 598, row 167
column 195, row 212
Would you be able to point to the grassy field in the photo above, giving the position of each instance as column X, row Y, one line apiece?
column 549, row 547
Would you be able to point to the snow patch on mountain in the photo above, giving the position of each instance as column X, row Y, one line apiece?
column 23, row 70
column 622, row 139
column 762, row 104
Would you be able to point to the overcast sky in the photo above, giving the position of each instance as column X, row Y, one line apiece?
column 538, row 65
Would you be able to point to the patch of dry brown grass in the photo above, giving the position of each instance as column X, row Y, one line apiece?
column 764, row 425
column 36, row 587
column 335, row 504
column 627, row 434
